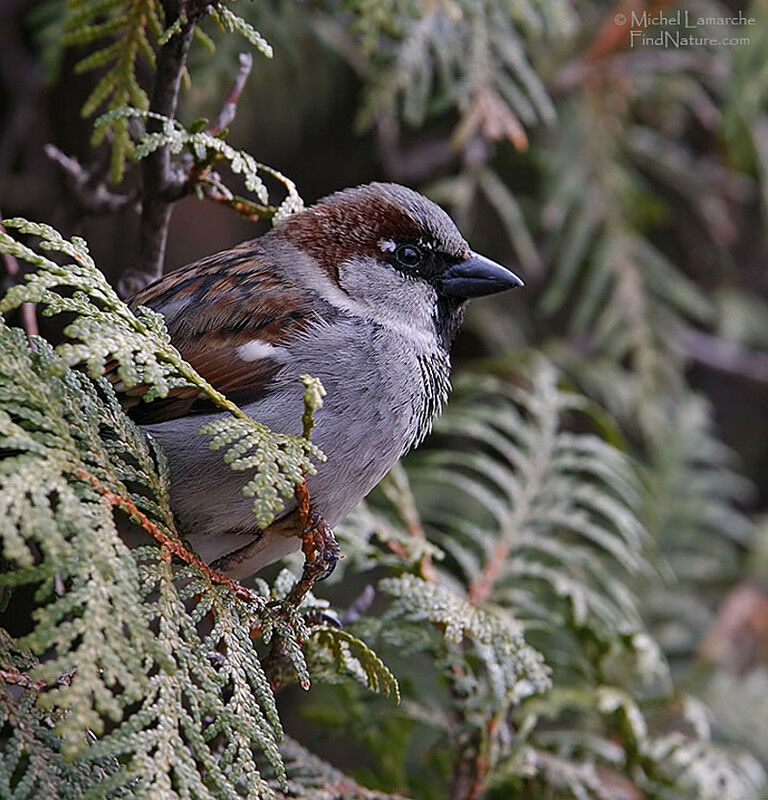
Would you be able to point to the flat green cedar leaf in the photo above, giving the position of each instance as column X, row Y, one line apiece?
column 105, row 330
column 352, row 656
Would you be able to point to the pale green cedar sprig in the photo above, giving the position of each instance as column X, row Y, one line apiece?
column 104, row 328
column 97, row 598
column 343, row 654
column 555, row 518
column 206, row 150
column 235, row 24
column 541, row 527
column 534, row 504
column 56, row 528
column 678, row 760
column 537, row 523
column 696, row 521
column 163, row 657
column 474, row 57
column 227, row 20
column 125, row 33
column 332, row 653
column 31, row 762
column 633, row 302
column 514, row 669
column 201, row 720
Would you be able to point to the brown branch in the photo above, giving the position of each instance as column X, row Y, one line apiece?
column 92, row 195
column 164, row 184
column 187, row 176
column 229, row 109
column 416, row 162
column 613, row 34
column 474, row 757
column 212, row 189
column 170, row 545
column 738, row 638
column 160, row 181
column 605, row 57
column 471, row 769
column 482, row 762
column 480, row 589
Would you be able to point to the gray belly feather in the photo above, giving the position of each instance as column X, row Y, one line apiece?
column 382, row 396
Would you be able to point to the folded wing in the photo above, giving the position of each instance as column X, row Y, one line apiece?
column 230, row 316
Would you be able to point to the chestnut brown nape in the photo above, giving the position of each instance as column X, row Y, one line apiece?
column 354, row 222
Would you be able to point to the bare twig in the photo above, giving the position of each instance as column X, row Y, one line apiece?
column 578, row 72
column 163, row 184
column 338, row 39
column 92, row 194
column 213, row 189
column 416, row 162
column 723, row 356
column 159, row 178
column 614, row 34
column 471, row 768
column 359, row 605
column 481, row 588
column 229, row 109
column 738, row 638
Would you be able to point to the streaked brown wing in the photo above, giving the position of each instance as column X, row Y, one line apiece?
column 225, row 314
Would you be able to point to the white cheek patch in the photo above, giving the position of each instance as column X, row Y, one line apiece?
column 257, row 350
column 376, row 291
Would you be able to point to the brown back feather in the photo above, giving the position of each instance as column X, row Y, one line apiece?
column 211, row 308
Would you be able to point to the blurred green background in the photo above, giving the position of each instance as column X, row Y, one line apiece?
column 663, row 143
column 624, row 175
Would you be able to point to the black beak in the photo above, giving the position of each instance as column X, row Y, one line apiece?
column 477, row 276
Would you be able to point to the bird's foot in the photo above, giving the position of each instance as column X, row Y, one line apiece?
column 321, row 554
column 320, row 546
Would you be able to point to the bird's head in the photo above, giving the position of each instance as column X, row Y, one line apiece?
column 394, row 256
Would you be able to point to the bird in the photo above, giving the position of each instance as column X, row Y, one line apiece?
column 365, row 290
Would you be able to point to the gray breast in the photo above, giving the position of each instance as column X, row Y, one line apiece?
column 382, row 396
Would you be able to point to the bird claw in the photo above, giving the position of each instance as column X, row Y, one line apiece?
column 323, row 616
column 321, row 554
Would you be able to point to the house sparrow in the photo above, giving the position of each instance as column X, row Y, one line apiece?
column 364, row 290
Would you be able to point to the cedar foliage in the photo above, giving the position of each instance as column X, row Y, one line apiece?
column 543, row 570
column 131, row 671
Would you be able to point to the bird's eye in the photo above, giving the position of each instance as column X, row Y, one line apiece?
column 408, row 255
